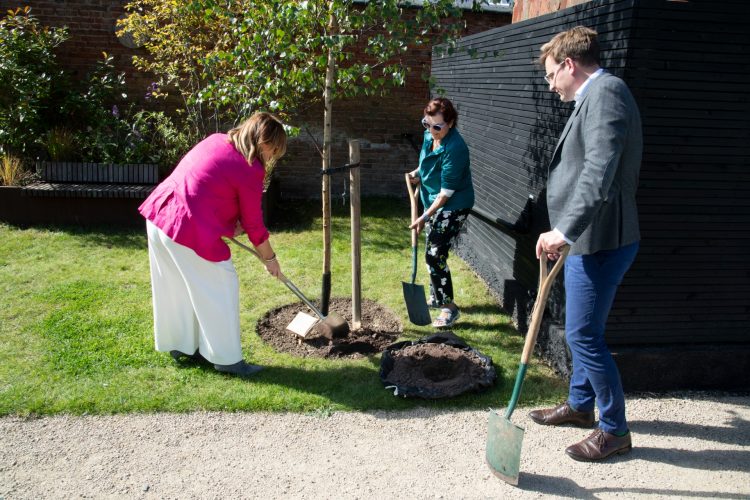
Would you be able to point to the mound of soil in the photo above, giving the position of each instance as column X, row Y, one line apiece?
column 436, row 370
column 380, row 328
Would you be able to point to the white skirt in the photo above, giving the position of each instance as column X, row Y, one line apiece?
column 196, row 301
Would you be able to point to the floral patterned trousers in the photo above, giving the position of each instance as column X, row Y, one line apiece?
column 440, row 232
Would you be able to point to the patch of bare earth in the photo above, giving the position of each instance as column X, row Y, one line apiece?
column 380, row 328
column 426, row 369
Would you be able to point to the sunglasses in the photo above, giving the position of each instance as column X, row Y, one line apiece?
column 436, row 127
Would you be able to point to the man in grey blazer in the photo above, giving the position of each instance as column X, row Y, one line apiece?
column 591, row 188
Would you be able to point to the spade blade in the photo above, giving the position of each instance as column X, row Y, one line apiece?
column 416, row 305
column 503, row 453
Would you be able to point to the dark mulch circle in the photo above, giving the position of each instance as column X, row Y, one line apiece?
column 380, row 328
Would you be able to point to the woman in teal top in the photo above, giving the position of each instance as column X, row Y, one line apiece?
column 447, row 192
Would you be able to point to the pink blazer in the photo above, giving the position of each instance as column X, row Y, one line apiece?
column 209, row 191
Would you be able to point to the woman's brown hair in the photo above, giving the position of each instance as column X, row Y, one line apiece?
column 261, row 128
column 444, row 106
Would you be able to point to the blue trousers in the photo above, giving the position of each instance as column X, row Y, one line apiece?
column 591, row 282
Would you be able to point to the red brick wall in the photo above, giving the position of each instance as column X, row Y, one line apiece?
column 383, row 125
column 527, row 9
column 91, row 24
column 385, row 128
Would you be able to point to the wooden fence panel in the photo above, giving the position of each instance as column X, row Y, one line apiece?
column 686, row 64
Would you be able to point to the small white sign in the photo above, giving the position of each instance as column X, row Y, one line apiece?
column 302, row 324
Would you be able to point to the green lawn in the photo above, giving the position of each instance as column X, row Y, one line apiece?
column 75, row 323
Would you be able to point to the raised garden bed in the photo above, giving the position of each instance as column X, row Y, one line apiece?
column 85, row 194
column 80, row 193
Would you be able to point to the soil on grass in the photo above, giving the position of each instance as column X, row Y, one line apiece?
column 438, row 370
column 380, row 328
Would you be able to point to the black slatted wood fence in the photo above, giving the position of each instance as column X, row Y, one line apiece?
column 687, row 65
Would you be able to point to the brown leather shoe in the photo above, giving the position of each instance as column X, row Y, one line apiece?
column 563, row 414
column 598, row 446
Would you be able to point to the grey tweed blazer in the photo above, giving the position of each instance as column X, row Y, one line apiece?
column 593, row 175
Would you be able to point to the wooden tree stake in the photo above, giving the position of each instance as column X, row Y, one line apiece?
column 356, row 235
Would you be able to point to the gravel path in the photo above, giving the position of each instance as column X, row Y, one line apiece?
column 692, row 445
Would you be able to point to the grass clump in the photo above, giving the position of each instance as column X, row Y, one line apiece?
column 76, row 325
column 11, row 170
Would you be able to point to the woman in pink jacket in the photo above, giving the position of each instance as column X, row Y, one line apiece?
column 214, row 191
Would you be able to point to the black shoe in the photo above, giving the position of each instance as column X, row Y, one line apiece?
column 240, row 368
column 182, row 357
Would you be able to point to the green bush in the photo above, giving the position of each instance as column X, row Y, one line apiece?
column 28, row 71
column 134, row 136
column 90, row 107
column 44, row 112
column 159, row 139
column 61, row 144
column 108, row 134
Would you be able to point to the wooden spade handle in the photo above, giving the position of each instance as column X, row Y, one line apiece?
column 291, row 286
column 414, row 208
column 545, row 284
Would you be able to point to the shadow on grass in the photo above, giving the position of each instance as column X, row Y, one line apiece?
column 484, row 309
column 487, row 339
column 358, row 387
column 386, row 227
column 105, row 236
column 397, row 239
column 132, row 239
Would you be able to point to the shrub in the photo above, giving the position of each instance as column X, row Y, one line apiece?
column 161, row 142
column 28, row 70
column 61, row 144
column 135, row 136
column 45, row 112
column 108, row 134
column 92, row 110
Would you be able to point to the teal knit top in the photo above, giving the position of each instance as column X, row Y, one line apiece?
column 448, row 168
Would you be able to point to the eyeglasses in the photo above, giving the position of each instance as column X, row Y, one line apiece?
column 437, row 127
column 549, row 77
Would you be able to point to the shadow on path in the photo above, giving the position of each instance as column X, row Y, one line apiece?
column 736, row 430
column 562, row 488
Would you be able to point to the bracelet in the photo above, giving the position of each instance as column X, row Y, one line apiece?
column 425, row 217
column 271, row 259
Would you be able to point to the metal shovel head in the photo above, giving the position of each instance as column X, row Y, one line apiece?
column 302, row 324
column 503, row 454
column 416, row 305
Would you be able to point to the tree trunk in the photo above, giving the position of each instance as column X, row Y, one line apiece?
column 326, row 181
